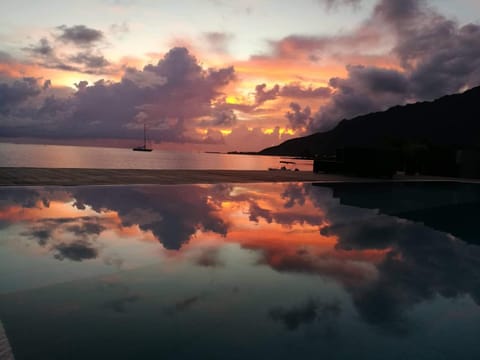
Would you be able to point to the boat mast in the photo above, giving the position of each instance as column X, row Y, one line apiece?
column 144, row 137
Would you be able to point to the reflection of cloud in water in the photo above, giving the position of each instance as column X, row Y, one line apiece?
column 182, row 305
column 121, row 304
column 387, row 264
column 209, row 257
column 172, row 214
column 68, row 238
column 305, row 314
column 76, row 251
column 419, row 262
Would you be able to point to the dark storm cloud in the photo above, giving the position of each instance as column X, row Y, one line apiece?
column 79, row 35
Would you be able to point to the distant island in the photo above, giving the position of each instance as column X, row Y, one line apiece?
column 450, row 121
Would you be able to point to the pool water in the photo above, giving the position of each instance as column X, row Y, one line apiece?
column 281, row 271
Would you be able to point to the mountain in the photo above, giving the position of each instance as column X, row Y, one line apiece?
column 452, row 120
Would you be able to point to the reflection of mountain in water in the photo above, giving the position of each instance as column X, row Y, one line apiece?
column 449, row 207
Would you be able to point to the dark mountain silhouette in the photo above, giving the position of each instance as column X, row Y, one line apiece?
column 452, row 120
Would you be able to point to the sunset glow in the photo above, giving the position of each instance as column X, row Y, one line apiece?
column 263, row 70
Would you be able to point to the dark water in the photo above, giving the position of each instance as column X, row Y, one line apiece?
column 241, row 271
column 56, row 156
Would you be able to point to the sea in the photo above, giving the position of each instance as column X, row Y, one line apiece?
column 61, row 156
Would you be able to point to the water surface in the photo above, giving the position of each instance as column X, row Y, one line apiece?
column 241, row 271
column 57, row 156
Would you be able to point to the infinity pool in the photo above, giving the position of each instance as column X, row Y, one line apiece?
column 271, row 271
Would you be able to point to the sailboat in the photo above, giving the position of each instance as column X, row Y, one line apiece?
column 144, row 147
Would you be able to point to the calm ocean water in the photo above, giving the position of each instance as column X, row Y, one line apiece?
column 56, row 156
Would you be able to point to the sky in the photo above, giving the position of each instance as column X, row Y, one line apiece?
column 221, row 75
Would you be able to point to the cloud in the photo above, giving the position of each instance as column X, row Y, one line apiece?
column 74, row 49
column 68, row 238
column 79, row 35
column 41, row 235
column 436, row 55
column 412, row 271
column 294, row 317
column 172, row 97
column 295, row 90
column 89, row 60
column 220, row 118
column 336, row 3
column 262, row 95
column 257, row 212
column 366, row 89
column 43, row 48
column 120, row 29
column 218, row 42
column 306, row 314
column 404, row 51
column 17, row 92
column 76, row 251
column 120, row 305
column 186, row 304
column 5, row 58
column 26, row 198
column 172, row 214
column 209, row 257
column 298, row 118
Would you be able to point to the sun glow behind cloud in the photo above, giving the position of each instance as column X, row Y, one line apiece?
column 250, row 77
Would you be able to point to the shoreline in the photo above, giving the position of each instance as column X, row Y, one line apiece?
column 26, row 176
column 23, row 176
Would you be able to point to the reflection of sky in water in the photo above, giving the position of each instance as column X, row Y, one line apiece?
column 284, row 270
